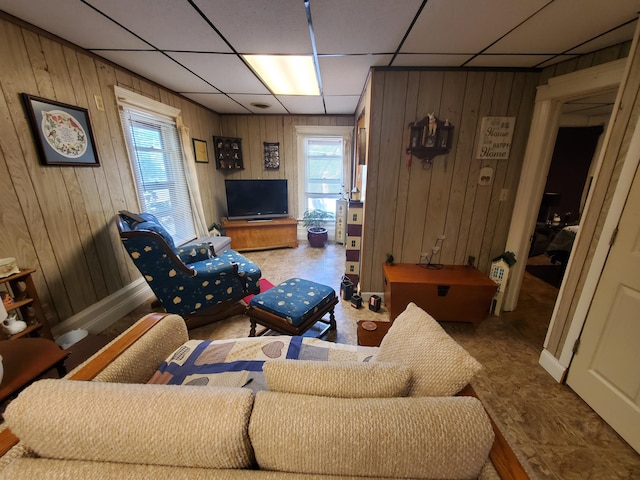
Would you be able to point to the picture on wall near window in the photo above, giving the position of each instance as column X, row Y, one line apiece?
column 62, row 132
column 271, row 155
column 200, row 151
column 228, row 153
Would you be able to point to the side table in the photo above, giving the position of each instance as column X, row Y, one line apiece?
column 371, row 332
column 25, row 360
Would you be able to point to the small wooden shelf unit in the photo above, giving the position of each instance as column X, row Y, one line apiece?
column 453, row 293
column 261, row 234
column 25, row 300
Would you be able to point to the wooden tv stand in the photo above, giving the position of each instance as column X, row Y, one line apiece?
column 262, row 234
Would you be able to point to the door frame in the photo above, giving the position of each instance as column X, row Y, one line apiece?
column 544, row 128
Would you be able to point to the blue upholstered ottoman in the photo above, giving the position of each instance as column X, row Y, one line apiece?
column 292, row 307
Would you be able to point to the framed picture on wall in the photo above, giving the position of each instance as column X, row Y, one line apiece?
column 200, row 151
column 271, row 155
column 62, row 132
column 228, row 153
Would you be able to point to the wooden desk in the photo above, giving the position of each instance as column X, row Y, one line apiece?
column 453, row 293
column 25, row 360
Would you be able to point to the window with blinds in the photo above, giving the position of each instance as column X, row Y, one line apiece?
column 324, row 166
column 157, row 163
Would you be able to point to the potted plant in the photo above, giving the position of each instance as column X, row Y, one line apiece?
column 315, row 221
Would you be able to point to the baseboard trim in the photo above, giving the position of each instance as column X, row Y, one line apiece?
column 102, row 314
column 552, row 366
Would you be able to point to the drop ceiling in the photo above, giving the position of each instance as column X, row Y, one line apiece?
column 193, row 46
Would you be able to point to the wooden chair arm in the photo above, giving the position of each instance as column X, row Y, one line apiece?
column 92, row 368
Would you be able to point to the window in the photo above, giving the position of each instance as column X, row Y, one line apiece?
column 155, row 152
column 324, row 154
column 324, row 159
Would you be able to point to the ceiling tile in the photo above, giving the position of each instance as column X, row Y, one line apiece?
column 166, row 24
column 341, row 105
column 226, row 72
column 302, row 105
column 466, row 27
column 426, row 60
column 361, row 26
column 157, row 67
column 619, row 35
column 592, row 17
column 90, row 29
column 247, row 100
column 346, row 75
column 514, row 61
column 259, row 27
column 217, row 102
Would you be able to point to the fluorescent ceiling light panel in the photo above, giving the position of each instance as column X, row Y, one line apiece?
column 286, row 74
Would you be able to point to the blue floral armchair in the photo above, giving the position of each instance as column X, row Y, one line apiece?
column 191, row 281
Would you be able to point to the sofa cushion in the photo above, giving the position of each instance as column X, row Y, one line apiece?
column 384, row 437
column 439, row 365
column 151, row 424
column 337, row 379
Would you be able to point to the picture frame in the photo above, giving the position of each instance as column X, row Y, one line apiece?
column 271, row 155
column 200, row 153
column 62, row 132
column 228, row 153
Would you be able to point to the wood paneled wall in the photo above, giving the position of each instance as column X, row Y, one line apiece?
column 408, row 206
column 60, row 220
column 254, row 130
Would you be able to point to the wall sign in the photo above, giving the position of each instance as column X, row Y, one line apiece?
column 495, row 138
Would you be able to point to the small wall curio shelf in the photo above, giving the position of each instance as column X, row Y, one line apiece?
column 430, row 137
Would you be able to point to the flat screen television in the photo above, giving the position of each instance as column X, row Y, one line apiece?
column 256, row 199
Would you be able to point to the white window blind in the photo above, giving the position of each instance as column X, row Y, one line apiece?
column 324, row 162
column 156, row 160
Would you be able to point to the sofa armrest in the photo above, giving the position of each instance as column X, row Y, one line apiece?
column 101, row 364
column 501, row 455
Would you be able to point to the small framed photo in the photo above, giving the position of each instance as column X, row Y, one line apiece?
column 271, row 155
column 200, row 151
column 62, row 132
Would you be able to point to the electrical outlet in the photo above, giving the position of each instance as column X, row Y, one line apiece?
column 503, row 194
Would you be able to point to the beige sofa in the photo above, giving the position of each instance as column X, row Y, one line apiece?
column 396, row 416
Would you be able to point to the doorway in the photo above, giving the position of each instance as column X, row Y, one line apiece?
column 551, row 101
column 565, row 192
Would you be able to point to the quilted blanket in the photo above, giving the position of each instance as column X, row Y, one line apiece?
column 238, row 362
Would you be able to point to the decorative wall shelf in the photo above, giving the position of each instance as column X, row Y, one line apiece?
column 430, row 137
column 228, row 153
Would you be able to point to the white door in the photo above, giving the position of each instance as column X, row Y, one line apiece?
column 605, row 371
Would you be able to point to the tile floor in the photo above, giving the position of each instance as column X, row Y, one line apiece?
column 555, row 433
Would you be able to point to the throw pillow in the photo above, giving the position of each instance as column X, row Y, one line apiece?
column 337, row 379
column 370, row 437
column 439, row 365
column 139, row 424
